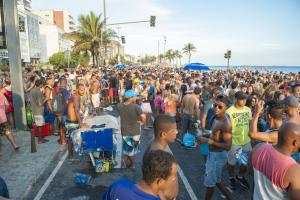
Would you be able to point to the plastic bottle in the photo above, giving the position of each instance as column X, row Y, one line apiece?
column 241, row 156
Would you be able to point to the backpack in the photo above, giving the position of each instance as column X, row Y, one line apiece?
column 211, row 116
column 57, row 102
column 151, row 93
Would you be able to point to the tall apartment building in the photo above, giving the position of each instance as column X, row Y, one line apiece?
column 26, row 4
column 61, row 19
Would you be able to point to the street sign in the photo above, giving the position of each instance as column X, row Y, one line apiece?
column 2, row 27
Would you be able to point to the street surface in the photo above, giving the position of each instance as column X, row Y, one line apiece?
column 57, row 180
column 62, row 186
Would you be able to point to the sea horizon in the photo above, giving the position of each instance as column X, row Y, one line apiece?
column 263, row 68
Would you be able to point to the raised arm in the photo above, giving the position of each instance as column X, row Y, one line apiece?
column 262, row 136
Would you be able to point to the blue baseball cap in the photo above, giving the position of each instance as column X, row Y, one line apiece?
column 129, row 94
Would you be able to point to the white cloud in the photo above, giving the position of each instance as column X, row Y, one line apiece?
column 156, row 9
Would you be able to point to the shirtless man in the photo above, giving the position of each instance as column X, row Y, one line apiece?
column 276, row 174
column 291, row 108
column 191, row 111
column 219, row 144
column 74, row 119
column 165, row 131
column 94, row 92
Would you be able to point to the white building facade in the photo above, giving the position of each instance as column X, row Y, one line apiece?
column 52, row 41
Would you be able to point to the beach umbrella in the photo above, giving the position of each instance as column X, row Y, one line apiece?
column 196, row 66
column 120, row 66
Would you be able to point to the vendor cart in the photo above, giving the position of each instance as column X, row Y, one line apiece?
column 102, row 141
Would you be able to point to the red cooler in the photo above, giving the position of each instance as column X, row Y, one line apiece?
column 45, row 130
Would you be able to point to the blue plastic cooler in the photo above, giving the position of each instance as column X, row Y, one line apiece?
column 97, row 140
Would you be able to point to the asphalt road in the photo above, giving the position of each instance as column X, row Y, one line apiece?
column 62, row 185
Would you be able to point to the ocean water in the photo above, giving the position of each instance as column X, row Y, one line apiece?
column 284, row 69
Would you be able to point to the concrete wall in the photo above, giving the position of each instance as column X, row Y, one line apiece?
column 58, row 17
column 45, row 14
column 48, row 41
column 52, row 41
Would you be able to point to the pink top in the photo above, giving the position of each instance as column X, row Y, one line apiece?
column 270, row 167
column 3, row 118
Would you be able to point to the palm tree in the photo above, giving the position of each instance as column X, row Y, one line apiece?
column 161, row 57
column 188, row 49
column 169, row 55
column 177, row 55
column 90, row 35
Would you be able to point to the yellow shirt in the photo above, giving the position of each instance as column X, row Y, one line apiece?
column 240, row 120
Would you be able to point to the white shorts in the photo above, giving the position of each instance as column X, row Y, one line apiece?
column 231, row 154
column 39, row 120
column 121, row 92
column 96, row 100
column 146, row 107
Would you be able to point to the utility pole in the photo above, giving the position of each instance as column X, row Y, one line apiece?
column 14, row 54
column 158, row 58
column 165, row 41
column 104, row 13
column 119, row 57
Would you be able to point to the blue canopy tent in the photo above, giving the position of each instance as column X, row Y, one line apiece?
column 196, row 66
column 120, row 66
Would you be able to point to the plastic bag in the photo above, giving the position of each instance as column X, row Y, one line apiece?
column 241, row 156
column 82, row 179
column 189, row 140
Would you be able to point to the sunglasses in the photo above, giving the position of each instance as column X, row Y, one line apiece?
column 220, row 107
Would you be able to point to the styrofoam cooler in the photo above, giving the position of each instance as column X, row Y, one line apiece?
column 97, row 140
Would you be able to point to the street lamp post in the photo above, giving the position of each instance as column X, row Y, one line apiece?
column 104, row 13
column 165, row 41
column 158, row 59
column 14, row 54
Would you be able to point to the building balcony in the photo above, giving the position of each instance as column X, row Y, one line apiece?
column 71, row 22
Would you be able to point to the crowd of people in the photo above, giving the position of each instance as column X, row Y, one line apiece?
column 243, row 118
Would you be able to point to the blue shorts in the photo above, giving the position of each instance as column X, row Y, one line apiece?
column 214, row 167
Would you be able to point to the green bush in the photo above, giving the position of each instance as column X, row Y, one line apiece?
column 59, row 59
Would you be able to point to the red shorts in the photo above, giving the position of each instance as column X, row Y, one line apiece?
column 112, row 92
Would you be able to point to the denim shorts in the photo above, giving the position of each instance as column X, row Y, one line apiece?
column 214, row 167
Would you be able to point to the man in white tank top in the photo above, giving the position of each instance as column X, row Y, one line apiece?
column 276, row 174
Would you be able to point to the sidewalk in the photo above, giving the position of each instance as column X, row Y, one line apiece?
column 21, row 169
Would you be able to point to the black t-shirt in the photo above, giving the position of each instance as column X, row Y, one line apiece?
column 128, row 84
column 113, row 82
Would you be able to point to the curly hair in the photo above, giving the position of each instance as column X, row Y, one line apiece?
column 157, row 164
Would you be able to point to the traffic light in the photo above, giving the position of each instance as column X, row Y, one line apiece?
column 229, row 53
column 152, row 21
column 123, row 39
column 226, row 55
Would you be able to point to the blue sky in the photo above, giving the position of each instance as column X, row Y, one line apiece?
column 259, row 32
